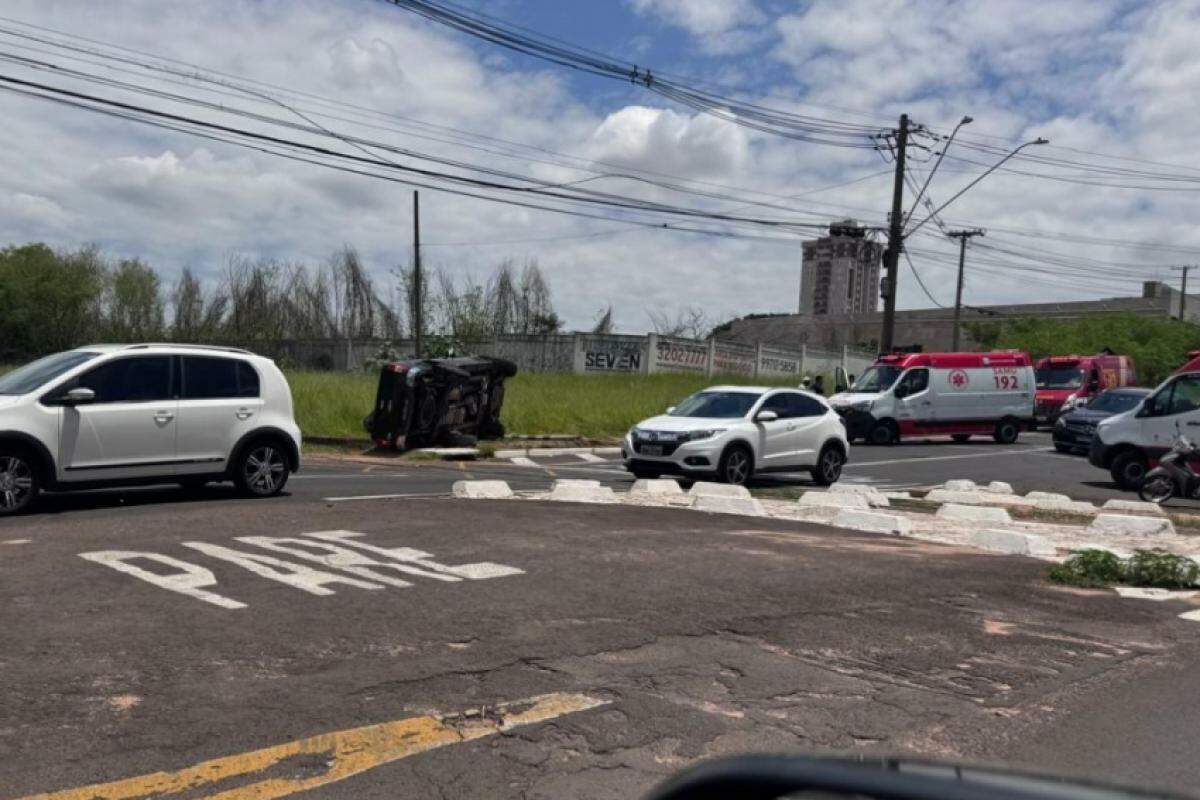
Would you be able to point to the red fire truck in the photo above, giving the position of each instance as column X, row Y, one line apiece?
column 1065, row 382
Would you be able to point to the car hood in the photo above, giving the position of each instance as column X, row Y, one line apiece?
column 7, row 400
column 850, row 398
column 665, row 422
column 1088, row 415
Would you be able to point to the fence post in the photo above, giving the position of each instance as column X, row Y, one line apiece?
column 712, row 358
column 758, row 357
column 803, row 359
column 845, row 359
column 579, row 362
column 651, row 353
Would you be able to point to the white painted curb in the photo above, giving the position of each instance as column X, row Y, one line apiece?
column 581, row 491
column 960, row 485
column 874, row 497
column 525, row 452
column 708, row 489
column 873, row 522
column 1129, row 525
column 998, row 487
column 659, row 487
column 1134, row 507
column 955, row 511
column 712, row 504
column 1013, row 543
column 833, row 500
column 451, row 453
column 482, row 490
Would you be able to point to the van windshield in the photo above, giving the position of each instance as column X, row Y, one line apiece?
column 876, row 379
column 36, row 374
column 1059, row 378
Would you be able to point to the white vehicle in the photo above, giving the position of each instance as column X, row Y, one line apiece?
column 110, row 415
column 733, row 432
column 1130, row 444
column 955, row 394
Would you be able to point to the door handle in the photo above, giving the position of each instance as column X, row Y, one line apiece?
column 244, row 414
column 163, row 417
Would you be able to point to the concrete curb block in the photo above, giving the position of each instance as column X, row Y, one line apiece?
column 709, row 489
column 482, row 490
column 964, row 513
column 1073, row 506
column 1134, row 507
column 1013, row 543
column 977, row 498
column 1130, row 525
column 744, row 506
column 658, row 487
column 451, row 453
column 525, row 452
column 581, row 491
column 873, row 522
column 960, row 485
column 898, row 495
column 834, row 500
column 998, row 487
column 853, row 488
column 1149, row 593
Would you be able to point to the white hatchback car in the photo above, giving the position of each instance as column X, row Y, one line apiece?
column 733, row 432
column 111, row 415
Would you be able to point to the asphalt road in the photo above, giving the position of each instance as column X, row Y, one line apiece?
column 203, row 641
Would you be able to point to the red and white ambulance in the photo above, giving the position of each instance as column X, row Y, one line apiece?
column 1065, row 382
column 955, row 394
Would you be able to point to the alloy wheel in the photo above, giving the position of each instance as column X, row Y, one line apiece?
column 831, row 465
column 16, row 483
column 737, row 467
column 264, row 470
column 1157, row 489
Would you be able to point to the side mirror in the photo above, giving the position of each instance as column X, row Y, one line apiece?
column 1149, row 408
column 79, row 396
column 766, row 416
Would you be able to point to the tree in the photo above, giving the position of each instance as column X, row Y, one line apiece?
column 134, row 307
column 690, row 323
column 49, row 300
column 604, row 323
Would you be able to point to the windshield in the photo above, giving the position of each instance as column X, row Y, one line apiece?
column 876, row 379
column 718, row 405
column 36, row 374
column 1115, row 402
column 1059, row 378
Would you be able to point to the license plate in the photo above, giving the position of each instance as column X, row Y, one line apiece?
column 652, row 450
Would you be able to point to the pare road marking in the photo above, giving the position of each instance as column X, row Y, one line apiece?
column 339, row 755
column 358, row 564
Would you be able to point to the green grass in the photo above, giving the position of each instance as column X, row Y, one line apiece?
column 333, row 404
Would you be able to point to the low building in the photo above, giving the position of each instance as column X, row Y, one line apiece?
column 933, row 329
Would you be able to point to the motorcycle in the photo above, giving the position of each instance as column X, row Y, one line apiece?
column 1174, row 476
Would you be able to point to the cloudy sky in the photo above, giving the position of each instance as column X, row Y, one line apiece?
column 1110, row 83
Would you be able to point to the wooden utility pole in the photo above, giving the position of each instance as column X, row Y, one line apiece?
column 962, row 237
column 891, row 256
column 418, row 300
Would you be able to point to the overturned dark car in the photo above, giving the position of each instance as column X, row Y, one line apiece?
column 439, row 401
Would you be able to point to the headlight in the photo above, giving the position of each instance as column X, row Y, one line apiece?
column 692, row 436
column 863, row 405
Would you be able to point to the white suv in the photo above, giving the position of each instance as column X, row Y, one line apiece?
column 734, row 431
column 145, row 413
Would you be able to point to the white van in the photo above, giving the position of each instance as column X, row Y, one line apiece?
column 1130, row 444
column 955, row 394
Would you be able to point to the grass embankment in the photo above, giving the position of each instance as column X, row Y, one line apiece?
column 333, row 404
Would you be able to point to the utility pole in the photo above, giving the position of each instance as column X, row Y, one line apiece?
column 1183, row 289
column 418, row 323
column 891, row 256
column 962, row 237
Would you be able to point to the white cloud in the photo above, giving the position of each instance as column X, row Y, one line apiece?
column 664, row 141
column 702, row 17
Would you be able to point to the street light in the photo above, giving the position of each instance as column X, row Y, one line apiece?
column 963, row 190
column 967, row 120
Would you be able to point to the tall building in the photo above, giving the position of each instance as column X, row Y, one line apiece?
column 840, row 272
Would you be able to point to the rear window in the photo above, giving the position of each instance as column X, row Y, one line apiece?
column 207, row 378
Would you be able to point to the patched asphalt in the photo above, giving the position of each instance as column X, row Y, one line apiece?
column 702, row 635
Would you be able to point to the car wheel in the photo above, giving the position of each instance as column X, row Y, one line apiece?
column 19, row 484
column 829, row 466
column 262, row 469
column 1007, row 431
column 1128, row 470
column 961, row 437
column 1157, row 489
column 736, row 466
column 883, row 433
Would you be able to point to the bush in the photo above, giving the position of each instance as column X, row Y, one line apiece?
column 1088, row 568
column 1161, row 569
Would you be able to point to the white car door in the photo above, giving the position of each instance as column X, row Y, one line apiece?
column 1176, row 410
column 219, row 403
column 128, row 430
column 777, row 437
column 914, row 398
column 808, row 417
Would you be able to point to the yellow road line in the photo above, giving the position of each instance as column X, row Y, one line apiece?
column 263, row 774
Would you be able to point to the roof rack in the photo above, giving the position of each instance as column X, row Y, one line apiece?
column 217, row 348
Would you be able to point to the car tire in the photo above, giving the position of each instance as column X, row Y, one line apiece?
column 1128, row 469
column 19, row 482
column 829, row 466
column 1007, row 431
column 960, row 437
column 883, row 433
column 261, row 468
column 736, row 465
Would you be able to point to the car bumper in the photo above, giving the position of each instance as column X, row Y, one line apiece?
column 689, row 458
column 858, row 423
column 1079, row 441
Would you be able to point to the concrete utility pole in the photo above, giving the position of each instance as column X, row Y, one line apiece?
column 1183, row 289
column 962, row 237
column 891, row 256
column 418, row 323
